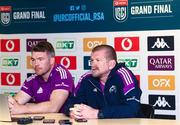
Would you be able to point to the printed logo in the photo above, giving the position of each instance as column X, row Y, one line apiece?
column 161, row 63
column 28, row 62
column 10, row 62
column 164, row 102
column 32, row 42
column 161, row 43
column 120, row 10
column 161, row 82
column 10, row 45
column 67, row 61
column 87, row 63
column 65, row 44
column 5, row 15
column 90, row 43
column 131, row 62
column 10, row 79
column 126, row 43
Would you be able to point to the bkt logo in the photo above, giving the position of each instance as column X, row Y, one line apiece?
column 5, row 15
column 160, row 62
column 10, row 62
column 87, row 63
column 120, row 10
column 10, row 45
column 10, row 79
column 161, row 82
column 130, row 62
column 90, row 43
column 161, row 43
column 164, row 102
column 126, row 43
column 67, row 61
column 32, row 42
column 65, row 44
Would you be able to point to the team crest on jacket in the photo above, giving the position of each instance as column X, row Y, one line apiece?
column 120, row 10
column 5, row 15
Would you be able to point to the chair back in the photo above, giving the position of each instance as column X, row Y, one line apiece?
column 147, row 110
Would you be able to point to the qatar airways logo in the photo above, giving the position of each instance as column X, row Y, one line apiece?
column 32, row 42
column 161, row 63
column 126, row 43
column 10, row 45
column 68, row 62
column 10, row 79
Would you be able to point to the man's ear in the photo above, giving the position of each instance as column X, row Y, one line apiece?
column 52, row 60
column 112, row 64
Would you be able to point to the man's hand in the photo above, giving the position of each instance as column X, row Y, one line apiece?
column 80, row 111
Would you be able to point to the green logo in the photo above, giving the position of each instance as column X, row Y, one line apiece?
column 10, row 62
column 129, row 62
column 65, row 44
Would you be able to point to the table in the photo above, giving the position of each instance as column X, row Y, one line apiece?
column 129, row 121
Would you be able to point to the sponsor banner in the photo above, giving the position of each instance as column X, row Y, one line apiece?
column 10, row 62
column 67, row 61
column 28, row 62
column 162, row 102
column 29, row 74
column 10, row 45
column 161, row 43
column 161, row 63
column 87, row 63
column 97, row 16
column 90, row 43
column 132, row 62
column 126, row 43
column 67, row 44
column 10, row 79
column 32, row 42
column 138, row 78
column 156, row 116
column 161, row 82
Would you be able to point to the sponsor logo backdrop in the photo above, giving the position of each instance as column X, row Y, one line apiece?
column 147, row 40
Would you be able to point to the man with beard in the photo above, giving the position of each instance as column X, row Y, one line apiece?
column 47, row 90
column 109, row 90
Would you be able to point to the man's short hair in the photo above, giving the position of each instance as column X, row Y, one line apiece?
column 110, row 52
column 44, row 47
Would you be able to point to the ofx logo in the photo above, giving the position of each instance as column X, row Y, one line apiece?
column 65, row 44
column 120, row 10
column 161, row 43
column 67, row 61
column 10, row 79
column 87, row 63
column 10, row 62
column 10, row 45
column 161, row 82
column 28, row 62
column 32, row 42
column 161, row 63
column 126, row 43
column 90, row 43
column 131, row 62
column 5, row 15
column 164, row 102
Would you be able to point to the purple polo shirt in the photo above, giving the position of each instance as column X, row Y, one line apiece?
column 40, row 90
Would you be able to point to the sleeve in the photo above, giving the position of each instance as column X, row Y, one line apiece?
column 27, row 87
column 79, row 96
column 130, row 105
column 62, row 79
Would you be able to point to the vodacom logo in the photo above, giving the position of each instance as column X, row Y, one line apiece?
column 126, row 44
column 65, row 62
column 10, row 45
column 10, row 79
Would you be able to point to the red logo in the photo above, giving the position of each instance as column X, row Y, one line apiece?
column 138, row 78
column 10, row 45
column 67, row 61
column 10, row 79
column 126, row 43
